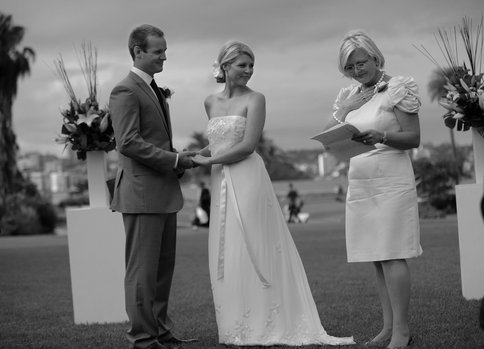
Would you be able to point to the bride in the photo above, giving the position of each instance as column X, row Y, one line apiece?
column 260, row 290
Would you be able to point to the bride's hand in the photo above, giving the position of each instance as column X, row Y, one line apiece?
column 201, row 160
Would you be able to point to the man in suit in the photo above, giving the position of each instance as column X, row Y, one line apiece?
column 147, row 190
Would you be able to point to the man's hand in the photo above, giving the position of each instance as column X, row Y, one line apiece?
column 185, row 160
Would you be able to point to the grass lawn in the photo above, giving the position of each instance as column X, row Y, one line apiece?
column 36, row 302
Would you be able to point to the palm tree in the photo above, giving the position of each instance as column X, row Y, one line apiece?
column 14, row 63
column 436, row 91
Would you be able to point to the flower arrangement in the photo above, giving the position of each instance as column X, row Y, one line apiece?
column 464, row 99
column 85, row 126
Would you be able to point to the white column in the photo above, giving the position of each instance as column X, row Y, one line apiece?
column 96, row 179
column 471, row 226
column 478, row 147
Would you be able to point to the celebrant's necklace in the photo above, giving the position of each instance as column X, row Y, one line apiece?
column 378, row 84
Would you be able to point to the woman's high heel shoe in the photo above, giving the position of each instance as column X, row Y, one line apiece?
column 410, row 342
column 381, row 343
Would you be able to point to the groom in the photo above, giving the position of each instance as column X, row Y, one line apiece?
column 147, row 191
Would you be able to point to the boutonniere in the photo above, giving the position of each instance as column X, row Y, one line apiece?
column 167, row 92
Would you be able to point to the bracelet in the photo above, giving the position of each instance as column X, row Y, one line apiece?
column 384, row 139
column 337, row 120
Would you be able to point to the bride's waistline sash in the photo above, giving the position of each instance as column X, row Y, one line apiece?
column 227, row 192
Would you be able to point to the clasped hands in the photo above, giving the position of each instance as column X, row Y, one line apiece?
column 191, row 159
column 201, row 160
column 185, row 160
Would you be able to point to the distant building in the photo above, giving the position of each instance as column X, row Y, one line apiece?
column 326, row 164
column 57, row 178
column 309, row 168
column 30, row 162
column 37, row 177
column 421, row 153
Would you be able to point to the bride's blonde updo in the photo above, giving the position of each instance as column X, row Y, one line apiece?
column 228, row 54
column 358, row 39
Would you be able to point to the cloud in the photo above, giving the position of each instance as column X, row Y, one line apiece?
column 295, row 43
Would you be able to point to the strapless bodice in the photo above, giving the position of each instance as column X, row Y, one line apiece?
column 223, row 132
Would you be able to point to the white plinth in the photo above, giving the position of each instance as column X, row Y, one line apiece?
column 478, row 150
column 471, row 239
column 96, row 254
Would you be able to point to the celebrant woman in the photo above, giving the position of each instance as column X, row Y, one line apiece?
column 382, row 222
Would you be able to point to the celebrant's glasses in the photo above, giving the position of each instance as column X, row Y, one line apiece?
column 358, row 66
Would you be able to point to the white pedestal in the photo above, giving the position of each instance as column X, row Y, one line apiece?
column 471, row 239
column 96, row 241
column 478, row 150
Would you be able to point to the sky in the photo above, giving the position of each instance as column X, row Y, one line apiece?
column 295, row 44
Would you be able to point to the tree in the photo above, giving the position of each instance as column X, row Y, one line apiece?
column 199, row 141
column 277, row 163
column 14, row 63
column 437, row 182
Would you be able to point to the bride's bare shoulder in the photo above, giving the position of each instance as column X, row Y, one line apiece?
column 256, row 97
column 210, row 99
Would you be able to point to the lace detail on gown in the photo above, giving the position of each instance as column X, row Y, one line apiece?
column 223, row 132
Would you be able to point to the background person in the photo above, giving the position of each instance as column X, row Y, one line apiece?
column 202, row 211
column 292, row 204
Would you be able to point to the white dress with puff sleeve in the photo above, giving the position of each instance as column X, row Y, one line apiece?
column 382, row 219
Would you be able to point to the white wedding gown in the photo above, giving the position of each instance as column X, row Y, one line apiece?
column 260, row 290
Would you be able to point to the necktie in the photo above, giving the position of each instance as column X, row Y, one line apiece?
column 155, row 88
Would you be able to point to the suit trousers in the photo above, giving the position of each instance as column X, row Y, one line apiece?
column 150, row 261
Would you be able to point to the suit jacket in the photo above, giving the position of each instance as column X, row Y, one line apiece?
column 146, row 181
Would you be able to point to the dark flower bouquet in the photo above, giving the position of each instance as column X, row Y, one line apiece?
column 85, row 127
column 464, row 99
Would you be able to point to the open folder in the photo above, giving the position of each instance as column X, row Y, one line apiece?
column 337, row 141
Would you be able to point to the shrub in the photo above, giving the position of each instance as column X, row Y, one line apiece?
column 75, row 200
column 437, row 182
column 27, row 213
